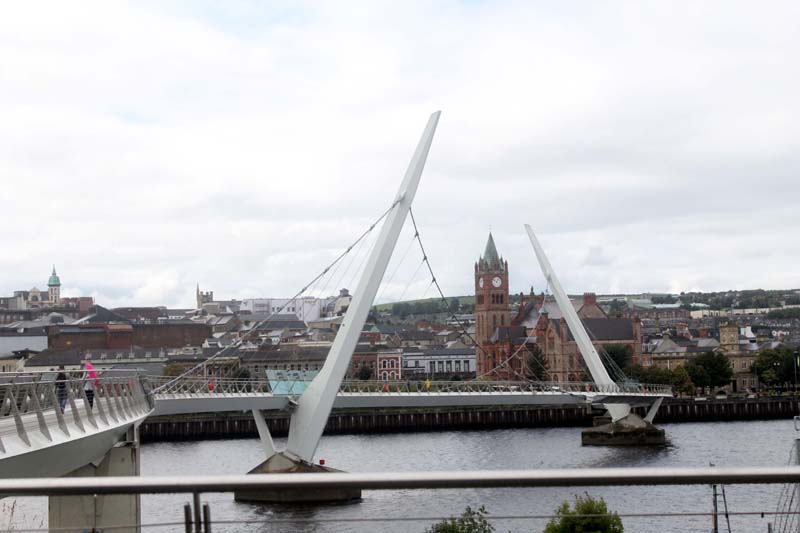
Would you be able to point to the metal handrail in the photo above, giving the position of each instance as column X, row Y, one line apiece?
column 206, row 385
column 86, row 402
column 583, row 477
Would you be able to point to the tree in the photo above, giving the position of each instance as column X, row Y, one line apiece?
column 617, row 307
column 682, row 382
column 471, row 521
column 173, row 369
column 536, row 364
column 775, row 366
column 364, row 373
column 663, row 299
column 575, row 521
column 454, row 305
column 244, row 374
column 620, row 354
column 710, row 369
column 241, row 373
column 655, row 375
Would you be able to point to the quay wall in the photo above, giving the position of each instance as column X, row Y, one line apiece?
column 241, row 425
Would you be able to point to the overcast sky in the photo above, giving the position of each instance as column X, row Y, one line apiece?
column 149, row 146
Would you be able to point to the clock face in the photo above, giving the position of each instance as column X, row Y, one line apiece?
column 496, row 281
column 480, row 282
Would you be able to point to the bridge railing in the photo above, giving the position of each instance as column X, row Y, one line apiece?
column 207, row 385
column 212, row 385
column 650, row 482
column 505, row 387
column 78, row 400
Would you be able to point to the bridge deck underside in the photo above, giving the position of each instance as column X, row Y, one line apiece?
column 63, row 451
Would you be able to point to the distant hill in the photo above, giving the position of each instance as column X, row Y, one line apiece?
column 462, row 300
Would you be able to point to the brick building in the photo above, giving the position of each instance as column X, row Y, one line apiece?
column 504, row 342
column 85, row 336
column 170, row 334
column 491, row 311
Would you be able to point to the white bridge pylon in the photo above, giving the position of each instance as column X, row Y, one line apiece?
column 590, row 355
column 315, row 404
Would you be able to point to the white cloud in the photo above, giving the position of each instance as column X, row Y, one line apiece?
column 144, row 148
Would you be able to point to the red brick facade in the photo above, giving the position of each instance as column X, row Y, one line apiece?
column 170, row 335
column 87, row 336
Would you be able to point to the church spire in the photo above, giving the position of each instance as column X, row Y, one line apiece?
column 490, row 253
column 491, row 260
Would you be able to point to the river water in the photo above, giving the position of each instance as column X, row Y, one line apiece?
column 766, row 443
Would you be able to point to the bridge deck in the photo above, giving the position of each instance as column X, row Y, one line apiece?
column 38, row 438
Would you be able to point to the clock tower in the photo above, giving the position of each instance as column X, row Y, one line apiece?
column 491, row 301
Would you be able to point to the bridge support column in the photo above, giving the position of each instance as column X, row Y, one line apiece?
column 96, row 513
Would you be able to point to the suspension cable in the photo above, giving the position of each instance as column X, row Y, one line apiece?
column 258, row 326
column 448, row 307
column 438, row 287
column 396, row 268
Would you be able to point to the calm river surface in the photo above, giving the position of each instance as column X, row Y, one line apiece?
column 695, row 444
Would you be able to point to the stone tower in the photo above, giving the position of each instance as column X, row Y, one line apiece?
column 491, row 300
column 54, row 288
column 203, row 297
column 729, row 337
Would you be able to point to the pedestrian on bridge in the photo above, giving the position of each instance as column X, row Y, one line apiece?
column 61, row 388
column 89, row 382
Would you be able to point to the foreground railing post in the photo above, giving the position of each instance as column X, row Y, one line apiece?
column 206, row 518
column 197, row 520
column 187, row 517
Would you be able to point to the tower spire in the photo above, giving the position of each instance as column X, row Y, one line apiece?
column 490, row 254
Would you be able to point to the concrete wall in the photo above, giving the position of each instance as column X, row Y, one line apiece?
column 94, row 513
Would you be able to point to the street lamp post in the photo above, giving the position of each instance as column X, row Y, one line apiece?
column 776, row 365
column 796, row 355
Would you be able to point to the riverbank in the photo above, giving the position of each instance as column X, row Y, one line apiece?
column 233, row 425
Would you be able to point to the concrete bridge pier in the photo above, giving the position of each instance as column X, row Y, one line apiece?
column 285, row 463
column 621, row 427
column 98, row 512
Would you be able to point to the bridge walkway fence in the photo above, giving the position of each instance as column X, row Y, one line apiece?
column 39, row 411
column 166, row 386
column 198, row 516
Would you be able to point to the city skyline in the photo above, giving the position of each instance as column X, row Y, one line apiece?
column 243, row 146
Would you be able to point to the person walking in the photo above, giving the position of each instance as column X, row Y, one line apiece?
column 61, row 388
column 89, row 381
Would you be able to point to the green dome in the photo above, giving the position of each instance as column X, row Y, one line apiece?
column 54, row 281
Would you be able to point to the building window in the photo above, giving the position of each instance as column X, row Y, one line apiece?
column 466, row 366
column 449, row 366
column 433, row 367
column 458, row 366
column 502, row 320
column 441, row 366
